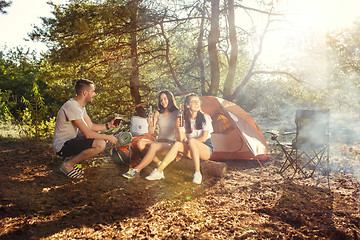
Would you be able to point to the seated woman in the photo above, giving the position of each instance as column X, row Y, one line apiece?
column 165, row 119
column 197, row 146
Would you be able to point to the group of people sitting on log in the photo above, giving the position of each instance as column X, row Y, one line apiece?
column 182, row 131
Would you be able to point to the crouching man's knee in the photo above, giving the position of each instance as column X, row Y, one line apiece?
column 99, row 145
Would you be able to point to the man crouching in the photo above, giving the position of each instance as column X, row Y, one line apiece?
column 71, row 118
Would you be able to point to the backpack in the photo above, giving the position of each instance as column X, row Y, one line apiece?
column 129, row 155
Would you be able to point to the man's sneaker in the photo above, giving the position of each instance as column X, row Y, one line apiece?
column 197, row 178
column 131, row 174
column 79, row 170
column 155, row 175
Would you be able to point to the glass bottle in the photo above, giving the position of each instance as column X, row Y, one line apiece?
column 118, row 118
column 180, row 117
column 151, row 117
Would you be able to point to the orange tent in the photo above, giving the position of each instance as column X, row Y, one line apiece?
column 236, row 135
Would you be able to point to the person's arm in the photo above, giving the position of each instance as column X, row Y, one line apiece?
column 206, row 129
column 98, row 127
column 151, row 129
column 204, row 136
column 180, row 134
column 83, row 126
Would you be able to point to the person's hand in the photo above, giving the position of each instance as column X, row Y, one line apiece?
column 150, row 120
column 112, row 123
column 151, row 136
column 113, row 140
column 178, row 156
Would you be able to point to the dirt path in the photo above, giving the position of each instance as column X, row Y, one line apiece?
column 38, row 202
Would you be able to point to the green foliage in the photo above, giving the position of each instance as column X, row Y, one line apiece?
column 4, row 4
column 345, row 43
column 344, row 84
column 19, row 71
column 94, row 39
column 91, row 40
column 40, row 129
column 32, row 119
column 25, row 99
column 268, row 98
column 5, row 114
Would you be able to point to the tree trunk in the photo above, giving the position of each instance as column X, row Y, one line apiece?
column 230, row 78
column 213, row 39
column 167, row 57
column 199, row 51
column 251, row 72
column 212, row 168
column 134, row 75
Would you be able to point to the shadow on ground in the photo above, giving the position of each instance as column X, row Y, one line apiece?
column 251, row 201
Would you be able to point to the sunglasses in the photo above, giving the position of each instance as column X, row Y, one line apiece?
column 195, row 102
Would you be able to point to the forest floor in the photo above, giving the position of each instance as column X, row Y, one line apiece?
column 250, row 202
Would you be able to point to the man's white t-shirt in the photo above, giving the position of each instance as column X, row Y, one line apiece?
column 198, row 132
column 65, row 129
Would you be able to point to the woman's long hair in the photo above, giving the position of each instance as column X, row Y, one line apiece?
column 172, row 103
column 200, row 118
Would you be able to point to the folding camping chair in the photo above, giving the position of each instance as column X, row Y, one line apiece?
column 310, row 149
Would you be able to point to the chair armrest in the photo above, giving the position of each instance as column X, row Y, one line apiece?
column 288, row 133
column 274, row 134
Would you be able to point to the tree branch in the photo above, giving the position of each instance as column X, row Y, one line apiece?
column 252, row 66
column 280, row 73
column 167, row 57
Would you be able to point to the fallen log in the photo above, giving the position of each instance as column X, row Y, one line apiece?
column 212, row 168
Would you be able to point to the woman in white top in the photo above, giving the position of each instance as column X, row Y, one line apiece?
column 165, row 119
column 195, row 139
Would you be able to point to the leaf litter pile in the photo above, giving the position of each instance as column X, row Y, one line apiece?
column 250, row 202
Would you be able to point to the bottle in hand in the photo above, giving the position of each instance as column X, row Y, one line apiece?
column 118, row 118
column 151, row 117
column 180, row 118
